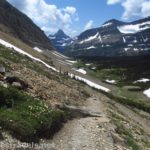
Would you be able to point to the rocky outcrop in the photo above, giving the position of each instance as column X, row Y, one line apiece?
column 16, row 82
column 78, row 112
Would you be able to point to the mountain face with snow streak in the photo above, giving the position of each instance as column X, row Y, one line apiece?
column 18, row 25
column 60, row 40
column 113, row 38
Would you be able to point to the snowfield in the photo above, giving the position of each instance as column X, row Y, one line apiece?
column 90, row 38
column 111, row 81
column 131, row 29
column 71, row 61
column 81, row 71
column 26, row 54
column 37, row 49
column 107, row 24
column 90, row 83
column 144, row 80
column 147, row 92
column 91, row 47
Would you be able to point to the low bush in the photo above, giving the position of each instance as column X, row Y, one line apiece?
column 26, row 118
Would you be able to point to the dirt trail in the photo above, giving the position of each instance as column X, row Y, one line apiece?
column 90, row 133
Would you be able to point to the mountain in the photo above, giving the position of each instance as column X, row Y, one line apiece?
column 113, row 38
column 18, row 25
column 60, row 40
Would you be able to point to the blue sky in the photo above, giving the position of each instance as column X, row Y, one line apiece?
column 75, row 16
column 96, row 10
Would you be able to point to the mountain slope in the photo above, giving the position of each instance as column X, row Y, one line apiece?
column 113, row 38
column 60, row 40
column 15, row 23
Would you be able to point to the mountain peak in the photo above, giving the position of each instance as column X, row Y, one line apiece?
column 113, row 22
column 60, row 33
column 60, row 40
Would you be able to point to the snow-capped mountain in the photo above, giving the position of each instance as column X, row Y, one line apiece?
column 113, row 38
column 60, row 40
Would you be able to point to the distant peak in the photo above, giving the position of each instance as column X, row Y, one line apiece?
column 60, row 33
column 113, row 22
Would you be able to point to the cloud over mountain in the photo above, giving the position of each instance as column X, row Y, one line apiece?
column 133, row 8
column 47, row 16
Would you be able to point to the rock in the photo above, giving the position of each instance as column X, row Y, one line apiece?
column 17, row 85
column 117, row 139
column 78, row 112
column 2, row 70
column 16, row 82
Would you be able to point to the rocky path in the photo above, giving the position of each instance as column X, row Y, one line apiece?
column 90, row 133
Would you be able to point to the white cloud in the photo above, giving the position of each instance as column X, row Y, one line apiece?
column 110, row 2
column 133, row 8
column 47, row 16
column 89, row 25
column 146, row 8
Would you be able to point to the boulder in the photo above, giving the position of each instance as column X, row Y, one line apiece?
column 2, row 70
column 78, row 112
column 17, row 82
column 17, row 85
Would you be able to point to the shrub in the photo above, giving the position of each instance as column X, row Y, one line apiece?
column 26, row 118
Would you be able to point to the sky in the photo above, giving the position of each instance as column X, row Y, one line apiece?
column 76, row 16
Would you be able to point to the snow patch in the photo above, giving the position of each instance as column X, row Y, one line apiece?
column 131, row 29
column 130, row 45
column 87, row 64
column 144, row 80
column 136, row 49
column 26, row 54
column 81, row 71
column 126, row 49
column 147, row 92
column 124, row 40
column 72, row 61
column 93, row 68
column 91, row 47
column 107, row 24
column 111, row 81
column 90, row 83
column 89, row 38
column 37, row 49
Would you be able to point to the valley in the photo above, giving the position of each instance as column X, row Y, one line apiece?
column 116, row 128
column 59, row 92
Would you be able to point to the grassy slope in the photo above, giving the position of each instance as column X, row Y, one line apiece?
column 125, row 71
column 25, row 117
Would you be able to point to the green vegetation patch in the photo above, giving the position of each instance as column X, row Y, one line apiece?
column 26, row 118
column 124, row 132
